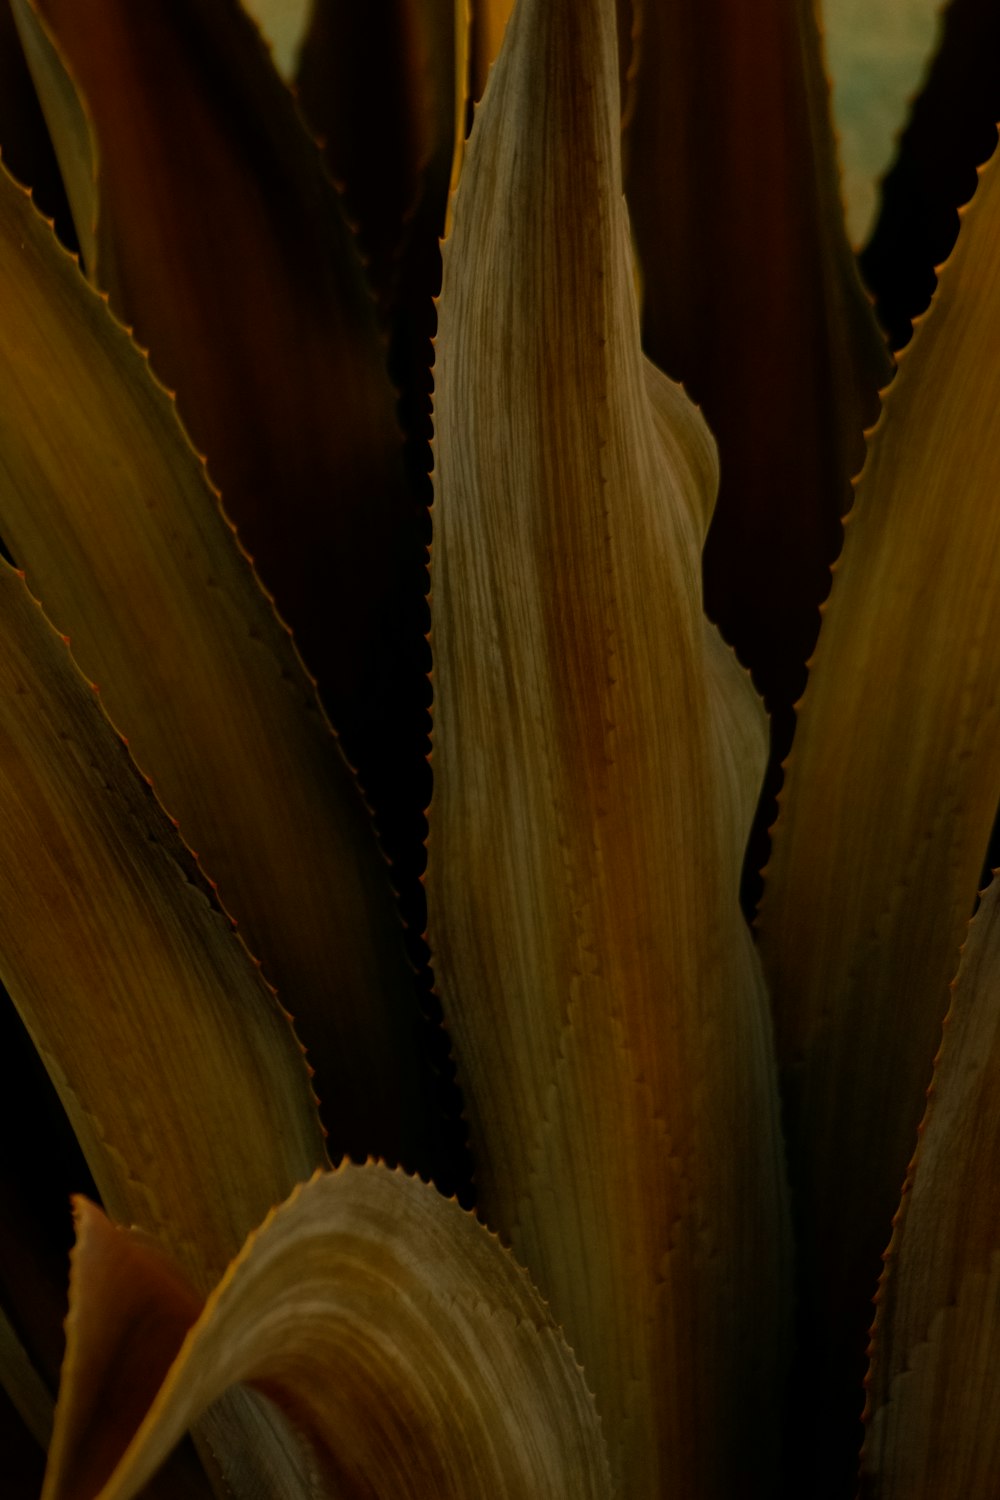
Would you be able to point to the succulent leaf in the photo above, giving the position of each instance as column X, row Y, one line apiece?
column 889, row 798
column 222, row 242
column 932, row 1384
column 596, row 751
column 107, row 507
column 751, row 297
column 407, row 1348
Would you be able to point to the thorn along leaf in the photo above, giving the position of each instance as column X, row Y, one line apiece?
column 934, row 1382
column 407, row 1347
column 177, row 1067
column 69, row 126
column 107, row 507
column 889, row 797
column 222, row 242
column 597, row 754
column 751, row 297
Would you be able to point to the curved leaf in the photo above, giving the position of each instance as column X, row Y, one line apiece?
column 752, row 298
column 177, row 1067
column 932, row 1387
column 108, row 509
column 222, row 242
column 408, row 1348
column 596, row 753
column 889, row 797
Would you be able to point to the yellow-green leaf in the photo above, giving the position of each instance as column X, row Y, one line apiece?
column 596, row 755
column 409, row 1350
column 889, row 799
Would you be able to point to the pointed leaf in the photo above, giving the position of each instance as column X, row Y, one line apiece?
column 107, row 507
column 407, row 1346
column 751, row 297
column 377, row 86
column 23, row 1384
column 950, row 132
column 177, row 1067
column 877, row 56
column 222, row 242
column 596, row 754
column 933, row 1387
column 24, row 139
column 889, row 797
column 69, row 126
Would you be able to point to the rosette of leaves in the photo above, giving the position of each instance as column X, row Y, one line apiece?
column 603, row 1212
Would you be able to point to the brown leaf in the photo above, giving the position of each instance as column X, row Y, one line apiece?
column 223, row 244
column 933, row 1390
column 597, row 752
column 751, row 297
column 888, row 802
column 177, row 1067
column 108, row 509
column 405, row 1345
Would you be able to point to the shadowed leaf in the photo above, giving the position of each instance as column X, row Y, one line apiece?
column 597, row 752
column 889, row 797
column 108, row 509
column 180, row 1073
column 751, row 297
column 223, row 244
column 932, row 1396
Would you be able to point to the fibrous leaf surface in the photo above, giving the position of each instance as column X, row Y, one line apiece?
column 176, row 1065
column 404, row 1344
column 889, row 797
column 932, row 1394
column 107, row 507
column 596, row 755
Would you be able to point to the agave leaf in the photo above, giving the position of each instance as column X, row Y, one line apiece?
column 752, row 299
column 951, row 131
column 223, row 244
column 932, row 1391
column 489, row 22
column 23, row 1384
column 377, row 86
column 23, row 1459
column 403, row 1342
column 24, row 138
column 889, row 797
column 70, row 128
column 283, row 25
column 878, row 56
column 177, row 1067
column 106, row 505
column 591, row 790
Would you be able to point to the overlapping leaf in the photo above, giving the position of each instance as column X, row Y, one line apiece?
column 107, row 507
column 596, row 755
column 933, row 1386
column 889, row 798
column 411, row 1353
column 751, row 297
column 178, row 1069
column 222, row 242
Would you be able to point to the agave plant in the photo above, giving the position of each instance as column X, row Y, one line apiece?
column 602, row 1212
